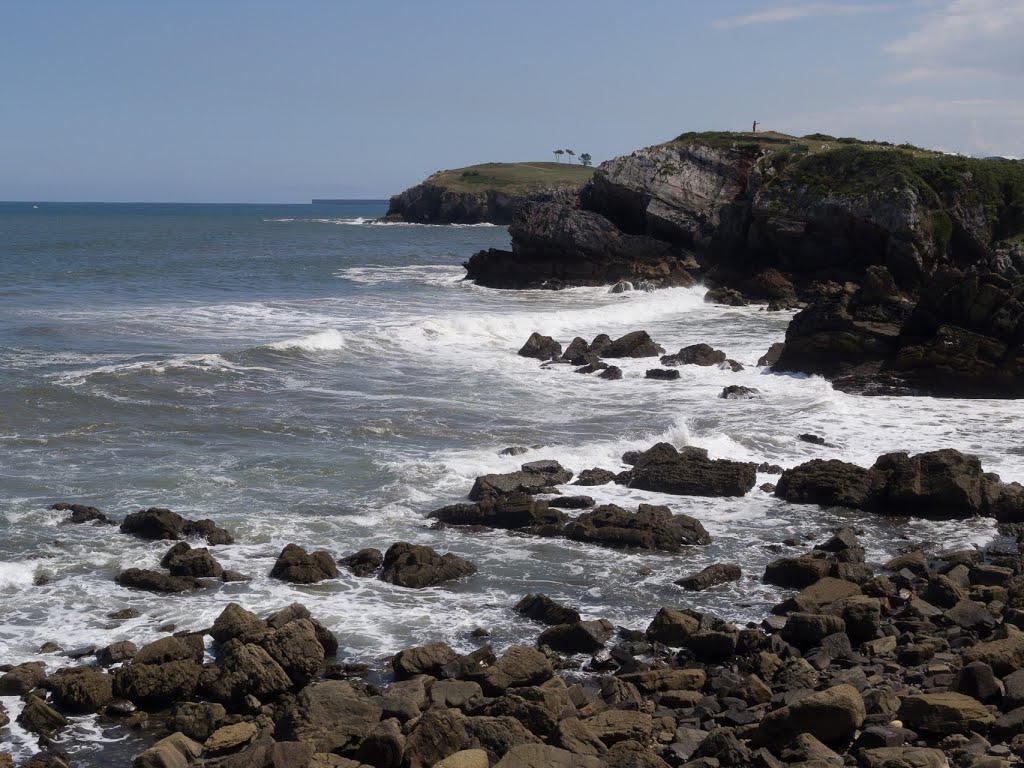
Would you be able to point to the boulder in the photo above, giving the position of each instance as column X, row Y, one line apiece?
column 364, row 563
column 595, row 476
column 157, row 686
column 546, row 756
column 944, row 713
column 465, row 758
column 519, row 666
column 506, row 511
column 649, row 527
column 615, row 725
column 903, row 757
column 81, row 691
column 737, row 392
column 695, row 354
column 183, row 560
column 19, row 680
column 236, row 622
column 571, row 502
column 796, row 572
column 832, row 716
column 578, row 637
column 330, row 716
column 247, row 669
column 174, row 751
column 416, row 566
column 39, row 717
column 154, row 523
column 634, row 344
column 229, row 738
column 295, row 647
column 80, row 513
column 154, row 581
column 173, row 648
column 541, row 347
column 806, row 630
column 498, row 735
column 116, row 653
column 713, row 575
column 1005, row 655
column 671, row 627
column 689, row 472
column 197, row 720
column 296, row 565
column 830, row 483
column 439, row 733
column 532, row 477
column 661, row 374
column 543, row 609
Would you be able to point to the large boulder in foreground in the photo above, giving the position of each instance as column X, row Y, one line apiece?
column 832, row 716
column 416, row 566
column 650, row 527
column 689, row 472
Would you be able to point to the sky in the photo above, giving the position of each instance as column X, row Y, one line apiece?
column 258, row 101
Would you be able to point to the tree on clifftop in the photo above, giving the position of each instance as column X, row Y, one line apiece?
column 585, row 158
column 558, row 155
column 571, row 154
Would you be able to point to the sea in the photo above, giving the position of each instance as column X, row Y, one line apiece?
column 303, row 373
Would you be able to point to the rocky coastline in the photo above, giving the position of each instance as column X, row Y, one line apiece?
column 907, row 266
column 916, row 661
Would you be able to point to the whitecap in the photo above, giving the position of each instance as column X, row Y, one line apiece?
column 330, row 340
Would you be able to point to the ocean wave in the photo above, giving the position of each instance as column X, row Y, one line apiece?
column 15, row 575
column 372, row 222
column 427, row 274
column 208, row 363
column 330, row 340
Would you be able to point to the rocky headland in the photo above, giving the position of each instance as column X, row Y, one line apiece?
column 907, row 264
column 486, row 194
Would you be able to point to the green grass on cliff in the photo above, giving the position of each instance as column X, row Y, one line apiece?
column 512, row 178
column 852, row 167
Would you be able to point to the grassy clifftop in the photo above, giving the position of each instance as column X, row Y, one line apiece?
column 512, row 178
column 827, row 165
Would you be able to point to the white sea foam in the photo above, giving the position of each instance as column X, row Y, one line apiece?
column 427, row 274
column 361, row 220
column 15, row 576
column 208, row 363
column 330, row 340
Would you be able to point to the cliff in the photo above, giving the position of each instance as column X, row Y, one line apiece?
column 858, row 232
column 487, row 193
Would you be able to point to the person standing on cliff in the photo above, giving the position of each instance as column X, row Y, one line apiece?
column 754, row 129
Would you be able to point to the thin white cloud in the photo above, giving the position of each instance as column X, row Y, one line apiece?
column 797, row 11
column 963, row 39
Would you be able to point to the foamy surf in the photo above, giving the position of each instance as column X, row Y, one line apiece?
column 330, row 340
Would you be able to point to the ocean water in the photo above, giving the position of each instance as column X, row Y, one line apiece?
column 301, row 374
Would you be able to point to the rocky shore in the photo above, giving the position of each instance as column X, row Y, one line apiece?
column 916, row 661
column 908, row 265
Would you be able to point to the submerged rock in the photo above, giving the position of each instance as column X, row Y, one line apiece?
column 689, row 472
column 416, row 566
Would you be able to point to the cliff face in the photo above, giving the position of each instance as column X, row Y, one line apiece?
column 866, row 235
column 431, row 204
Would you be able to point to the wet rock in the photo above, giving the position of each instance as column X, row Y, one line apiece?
column 80, row 513
column 173, row 648
column 364, row 563
column 695, row 354
column 944, row 713
column 661, row 374
column 81, row 691
column 197, row 720
column 514, row 450
column 116, row 653
column 229, row 738
column 832, row 716
column 154, row 581
column 648, row 528
column 828, row 483
column 771, row 357
column 578, row 637
column 671, row 627
column 330, row 715
column 737, row 392
column 295, row 647
column 22, row 678
column 154, row 523
column 531, row 478
column 595, row 477
column 541, row 348
column 183, row 560
column 904, row 757
column 296, row 565
column 236, row 622
column 519, row 666
column 634, row 344
column 415, row 566
column 542, row 608
column 39, row 717
column 174, row 751
column 508, row 511
column 611, row 373
column 571, row 502
column 436, row 735
column 209, row 530
column 727, row 296
column 713, row 575
column 796, row 572
column 157, row 686
column 247, row 670
column 690, row 472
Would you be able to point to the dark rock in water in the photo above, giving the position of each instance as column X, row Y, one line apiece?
column 247, row 670
column 21, row 679
column 577, row 349
column 154, row 523
column 595, row 476
column 661, row 374
column 593, row 367
column 732, row 365
column 650, row 527
column 736, row 392
column 689, row 472
column 728, row 296
column 513, row 450
column 634, row 344
column 80, row 513
column 531, row 478
column 829, row 483
column 719, row 573
column 612, row 373
column 364, row 563
column 183, row 560
column 296, row 565
column 770, row 469
column 210, row 531
column 555, row 245
column 229, row 577
column 577, row 637
column 571, row 502
column 602, row 340
column 544, row 609
column 415, row 566
column 514, row 510
column 116, row 653
column 771, row 357
column 39, row 717
column 154, row 581
column 808, row 437
column 695, row 354
column 80, row 691
column 796, row 572
column 541, row 348
column 423, row 660
column 197, row 720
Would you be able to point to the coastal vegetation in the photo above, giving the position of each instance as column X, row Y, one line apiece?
column 511, row 178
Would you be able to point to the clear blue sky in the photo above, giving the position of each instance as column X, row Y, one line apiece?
column 284, row 101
